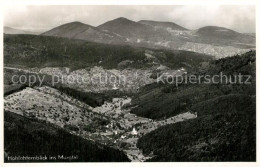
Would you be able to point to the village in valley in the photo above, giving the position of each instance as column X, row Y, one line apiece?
column 110, row 124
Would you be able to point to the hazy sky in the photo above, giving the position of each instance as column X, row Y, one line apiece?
column 39, row 18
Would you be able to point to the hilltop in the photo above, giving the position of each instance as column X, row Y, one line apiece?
column 211, row 40
column 159, row 24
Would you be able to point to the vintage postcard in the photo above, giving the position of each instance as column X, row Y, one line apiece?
column 128, row 83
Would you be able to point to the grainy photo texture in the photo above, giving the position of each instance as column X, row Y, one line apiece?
column 129, row 83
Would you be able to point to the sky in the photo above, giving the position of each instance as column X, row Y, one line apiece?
column 41, row 18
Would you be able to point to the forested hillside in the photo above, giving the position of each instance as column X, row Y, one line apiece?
column 158, row 101
column 30, row 137
column 224, row 131
column 225, row 127
column 44, row 51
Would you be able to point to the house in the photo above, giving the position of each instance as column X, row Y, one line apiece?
column 114, row 87
column 196, row 115
column 134, row 132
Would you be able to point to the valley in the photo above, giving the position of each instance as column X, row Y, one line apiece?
column 108, row 124
column 111, row 93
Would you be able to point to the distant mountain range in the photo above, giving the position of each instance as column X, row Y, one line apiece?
column 212, row 40
column 9, row 30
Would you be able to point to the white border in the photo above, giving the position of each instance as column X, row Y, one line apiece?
column 132, row 2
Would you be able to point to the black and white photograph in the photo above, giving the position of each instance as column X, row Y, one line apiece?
column 129, row 83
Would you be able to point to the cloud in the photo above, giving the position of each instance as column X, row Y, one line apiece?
column 239, row 18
